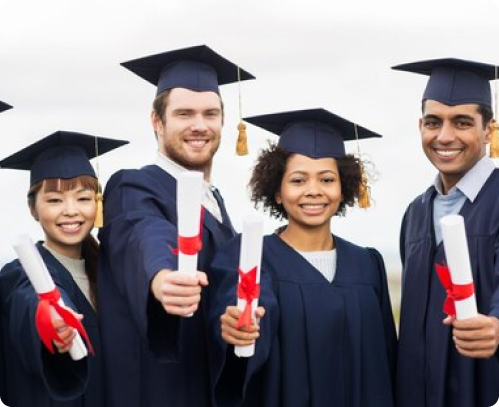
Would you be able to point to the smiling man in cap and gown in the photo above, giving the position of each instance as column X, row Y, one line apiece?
column 451, row 363
column 155, row 353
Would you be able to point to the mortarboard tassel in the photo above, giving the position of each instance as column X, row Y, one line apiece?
column 494, row 140
column 494, row 137
column 99, row 216
column 242, row 140
column 364, row 200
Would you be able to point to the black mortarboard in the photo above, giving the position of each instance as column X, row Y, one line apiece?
column 196, row 68
column 63, row 154
column 454, row 81
column 315, row 133
column 4, row 106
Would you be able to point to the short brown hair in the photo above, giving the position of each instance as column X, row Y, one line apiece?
column 161, row 101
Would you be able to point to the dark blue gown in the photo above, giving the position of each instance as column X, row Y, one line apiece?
column 32, row 376
column 430, row 371
column 151, row 358
column 321, row 344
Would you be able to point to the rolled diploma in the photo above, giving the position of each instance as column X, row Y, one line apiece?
column 189, row 198
column 42, row 282
column 458, row 261
column 250, row 256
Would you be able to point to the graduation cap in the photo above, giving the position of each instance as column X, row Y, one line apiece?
column 197, row 68
column 454, row 81
column 4, row 106
column 315, row 133
column 457, row 82
column 63, row 154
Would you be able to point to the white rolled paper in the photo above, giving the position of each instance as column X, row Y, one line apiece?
column 250, row 256
column 189, row 199
column 458, row 261
column 42, row 282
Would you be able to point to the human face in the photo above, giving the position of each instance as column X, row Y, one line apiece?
column 453, row 138
column 191, row 131
column 310, row 191
column 66, row 217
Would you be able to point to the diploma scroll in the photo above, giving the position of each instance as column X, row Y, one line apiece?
column 250, row 262
column 42, row 282
column 189, row 198
column 458, row 262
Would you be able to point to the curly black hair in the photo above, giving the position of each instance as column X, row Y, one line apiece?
column 269, row 170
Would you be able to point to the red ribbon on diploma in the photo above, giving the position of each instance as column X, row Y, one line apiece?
column 248, row 290
column 190, row 245
column 43, row 320
column 455, row 292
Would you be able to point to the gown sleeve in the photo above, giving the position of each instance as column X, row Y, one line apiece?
column 387, row 314
column 136, row 243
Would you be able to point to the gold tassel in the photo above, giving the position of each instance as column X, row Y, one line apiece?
column 494, row 140
column 242, row 140
column 99, row 216
column 363, row 200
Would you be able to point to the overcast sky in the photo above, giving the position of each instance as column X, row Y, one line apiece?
column 59, row 67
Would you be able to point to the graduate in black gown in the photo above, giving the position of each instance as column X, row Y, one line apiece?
column 154, row 355
column 326, row 335
column 444, row 362
column 3, row 106
column 63, row 199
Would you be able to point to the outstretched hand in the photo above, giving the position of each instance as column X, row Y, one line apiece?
column 178, row 293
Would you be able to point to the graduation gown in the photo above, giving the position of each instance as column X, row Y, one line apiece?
column 321, row 344
column 151, row 358
column 430, row 371
column 32, row 375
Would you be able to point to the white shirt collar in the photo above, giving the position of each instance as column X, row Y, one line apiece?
column 472, row 182
column 168, row 165
column 175, row 169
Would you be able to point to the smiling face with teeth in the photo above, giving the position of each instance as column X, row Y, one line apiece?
column 66, row 216
column 310, row 192
column 454, row 139
column 190, row 131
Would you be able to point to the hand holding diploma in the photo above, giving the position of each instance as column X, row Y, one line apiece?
column 51, row 306
column 475, row 335
column 180, row 292
column 248, row 290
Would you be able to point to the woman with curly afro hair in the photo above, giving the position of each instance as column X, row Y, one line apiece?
column 326, row 335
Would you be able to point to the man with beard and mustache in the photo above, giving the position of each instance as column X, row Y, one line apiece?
column 153, row 355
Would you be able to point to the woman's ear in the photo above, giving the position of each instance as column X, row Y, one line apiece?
column 278, row 198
